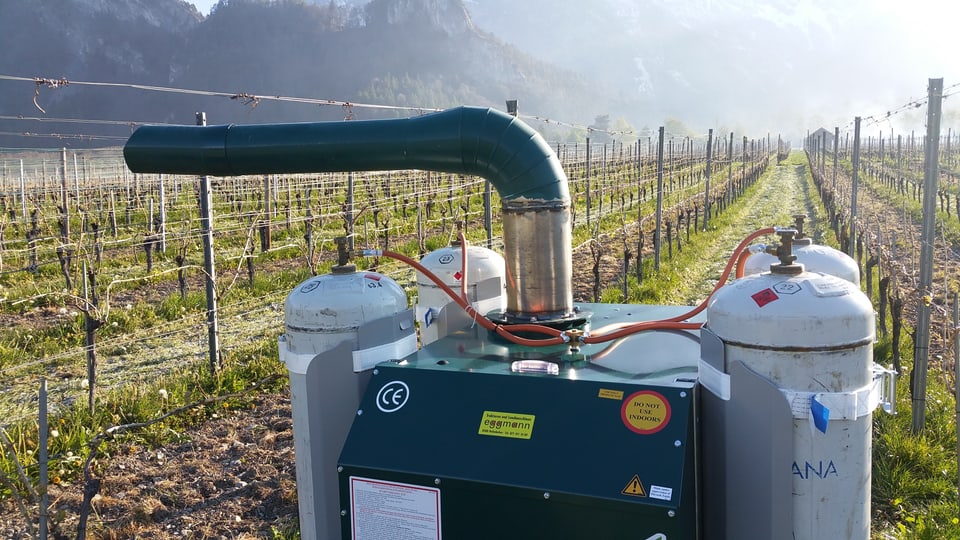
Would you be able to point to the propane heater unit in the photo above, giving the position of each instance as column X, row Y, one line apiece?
column 525, row 415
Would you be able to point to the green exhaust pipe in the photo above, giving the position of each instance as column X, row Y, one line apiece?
column 465, row 140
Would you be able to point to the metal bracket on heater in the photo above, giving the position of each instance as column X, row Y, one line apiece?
column 888, row 388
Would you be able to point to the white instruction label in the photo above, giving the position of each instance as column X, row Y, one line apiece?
column 826, row 286
column 661, row 492
column 381, row 510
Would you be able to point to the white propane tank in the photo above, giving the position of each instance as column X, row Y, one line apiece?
column 811, row 335
column 326, row 310
column 328, row 378
column 815, row 258
column 446, row 263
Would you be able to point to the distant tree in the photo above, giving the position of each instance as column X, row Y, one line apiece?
column 624, row 131
column 578, row 135
column 723, row 132
column 556, row 133
column 337, row 15
column 416, row 91
column 676, row 128
column 599, row 128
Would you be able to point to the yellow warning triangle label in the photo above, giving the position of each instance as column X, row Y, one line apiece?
column 635, row 488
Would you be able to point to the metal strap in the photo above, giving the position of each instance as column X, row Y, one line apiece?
column 842, row 405
column 365, row 359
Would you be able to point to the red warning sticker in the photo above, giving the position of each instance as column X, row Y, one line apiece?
column 645, row 412
column 764, row 297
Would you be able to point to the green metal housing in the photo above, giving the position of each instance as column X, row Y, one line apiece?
column 573, row 469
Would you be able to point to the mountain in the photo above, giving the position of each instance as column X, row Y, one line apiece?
column 412, row 53
column 764, row 65
column 735, row 65
column 409, row 53
column 93, row 39
column 89, row 40
column 706, row 60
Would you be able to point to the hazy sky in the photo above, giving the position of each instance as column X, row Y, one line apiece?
column 885, row 50
column 204, row 5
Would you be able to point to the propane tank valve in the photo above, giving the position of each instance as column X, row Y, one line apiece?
column 798, row 220
column 784, row 252
column 343, row 257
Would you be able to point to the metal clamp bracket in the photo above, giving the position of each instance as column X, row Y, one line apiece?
column 881, row 391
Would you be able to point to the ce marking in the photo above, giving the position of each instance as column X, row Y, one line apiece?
column 393, row 396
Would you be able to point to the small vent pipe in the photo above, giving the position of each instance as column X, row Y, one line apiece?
column 465, row 140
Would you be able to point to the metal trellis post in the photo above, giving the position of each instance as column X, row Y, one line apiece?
column 931, row 170
column 659, row 218
column 209, row 268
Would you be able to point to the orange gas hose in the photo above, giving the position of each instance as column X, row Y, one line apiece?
column 741, row 261
column 558, row 337
column 641, row 327
column 725, row 274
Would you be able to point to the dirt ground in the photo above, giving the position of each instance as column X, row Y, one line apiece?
column 233, row 478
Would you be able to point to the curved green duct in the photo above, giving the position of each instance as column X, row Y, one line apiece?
column 465, row 140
